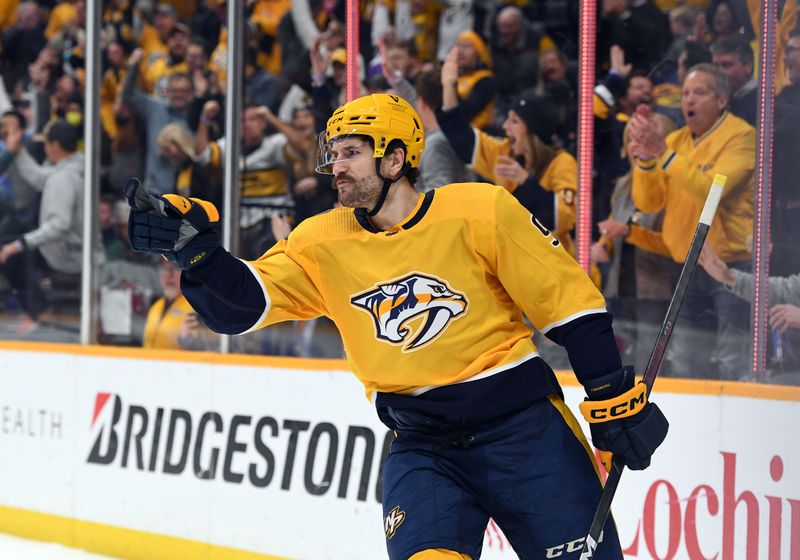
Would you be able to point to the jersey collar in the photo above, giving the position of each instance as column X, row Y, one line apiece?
column 413, row 219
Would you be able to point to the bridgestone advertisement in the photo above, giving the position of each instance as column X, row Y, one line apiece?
column 282, row 459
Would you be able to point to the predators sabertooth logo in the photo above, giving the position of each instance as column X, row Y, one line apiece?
column 412, row 310
column 392, row 521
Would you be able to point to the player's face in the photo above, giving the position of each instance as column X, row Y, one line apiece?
column 516, row 130
column 354, row 176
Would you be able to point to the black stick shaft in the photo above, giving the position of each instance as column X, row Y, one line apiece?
column 656, row 357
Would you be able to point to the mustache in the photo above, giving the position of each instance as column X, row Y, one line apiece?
column 342, row 177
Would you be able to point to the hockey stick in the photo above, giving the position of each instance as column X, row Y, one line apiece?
column 657, row 356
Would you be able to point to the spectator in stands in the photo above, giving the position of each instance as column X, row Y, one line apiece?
column 128, row 148
column 639, row 28
column 403, row 58
column 297, row 41
column 153, row 39
column 541, row 176
column 667, row 95
column 615, row 101
column 786, row 167
column 311, row 192
column 23, row 42
column 70, row 38
column 552, row 71
column 171, row 321
column 734, row 56
column 329, row 77
column 63, row 14
column 118, row 24
column 157, row 113
column 559, row 18
column 55, row 246
column 515, row 56
column 177, row 143
column 784, row 312
column 261, row 87
column 197, row 58
column 727, row 21
column 681, row 24
column 173, row 62
column 640, row 275
column 266, row 16
column 263, row 180
column 111, row 87
column 8, row 14
column 113, row 245
column 56, row 105
column 476, row 85
column 674, row 173
column 207, row 87
column 561, row 85
column 22, row 206
column 208, row 21
column 439, row 165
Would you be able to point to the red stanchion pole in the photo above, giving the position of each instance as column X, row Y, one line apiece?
column 352, row 50
column 587, row 40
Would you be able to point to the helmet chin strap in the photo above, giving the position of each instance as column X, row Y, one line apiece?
column 387, row 183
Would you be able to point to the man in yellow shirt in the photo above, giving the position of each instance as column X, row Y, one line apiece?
column 171, row 322
column 429, row 292
column 674, row 173
column 172, row 62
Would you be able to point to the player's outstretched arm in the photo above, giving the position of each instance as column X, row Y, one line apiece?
column 220, row 287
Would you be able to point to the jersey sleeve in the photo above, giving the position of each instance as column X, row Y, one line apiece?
column 235, row 296
column 553, row 291
column 540, row 276
column 291, row 293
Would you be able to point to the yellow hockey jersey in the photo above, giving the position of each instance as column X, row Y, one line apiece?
column 560, row 177
column 436, row 301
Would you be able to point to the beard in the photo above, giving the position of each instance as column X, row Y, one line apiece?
column 362, row 193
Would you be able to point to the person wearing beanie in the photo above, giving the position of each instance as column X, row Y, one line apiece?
column 475, row 84
column 527, row 162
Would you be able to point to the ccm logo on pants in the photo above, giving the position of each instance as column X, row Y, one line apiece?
column 571, row 546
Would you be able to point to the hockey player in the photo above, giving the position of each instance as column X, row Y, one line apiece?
column 429, row 293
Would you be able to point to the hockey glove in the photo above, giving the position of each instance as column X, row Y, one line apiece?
column 185, row 230
column 621, row 419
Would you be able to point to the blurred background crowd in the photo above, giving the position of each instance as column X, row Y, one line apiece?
column 495, row 84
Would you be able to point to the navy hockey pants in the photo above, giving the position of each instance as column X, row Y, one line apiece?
column 531, row 471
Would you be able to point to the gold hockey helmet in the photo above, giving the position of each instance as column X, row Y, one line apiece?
column 381, row 116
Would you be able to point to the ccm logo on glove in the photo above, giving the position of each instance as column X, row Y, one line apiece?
column 621, row 406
